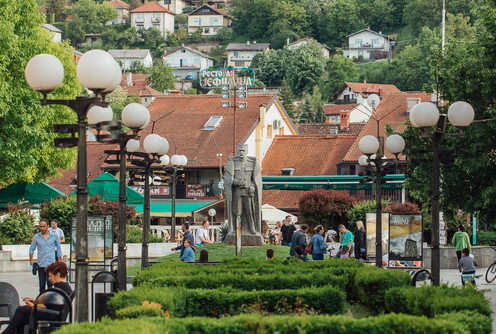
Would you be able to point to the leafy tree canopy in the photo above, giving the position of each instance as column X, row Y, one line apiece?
column 339, row 70
column 161, row 76
column 305, row 68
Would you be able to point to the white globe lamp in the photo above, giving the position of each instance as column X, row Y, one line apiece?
column 135, row 116
column 461, row 114
column 395, row 144
column 44, row 73
column 424, row 114
column 368, row 145
column 152, row 143
column 96, row 70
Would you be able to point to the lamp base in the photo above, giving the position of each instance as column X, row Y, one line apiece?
column 246, row 239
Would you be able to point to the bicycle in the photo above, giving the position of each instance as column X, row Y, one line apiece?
column 491, row 271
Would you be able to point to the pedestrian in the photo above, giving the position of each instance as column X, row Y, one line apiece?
column 344, row 252
column 460, row 241
column 360, row 242
column 467, row 267
column 48, row 245
column 270, row 254
column 202, row 234
column 300, row 253
column 189, row 251
column 299, row 239
column 187, row 236
column 319, row 246
column 54, row 229
column 287, row 231
column 203, row 255
column 345, row 238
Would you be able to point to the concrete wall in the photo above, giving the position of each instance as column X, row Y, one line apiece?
column 484, row 256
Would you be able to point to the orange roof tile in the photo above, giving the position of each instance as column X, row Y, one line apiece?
column 142, row 91
column 308, row 154
column 152, row 7
column 119, row 4
column 365, row 88
column 334, row 109
column 185, row 117
column 213, row 9
column 325, row 128
column 391, row 111
column 136, row 79
column 286, row 200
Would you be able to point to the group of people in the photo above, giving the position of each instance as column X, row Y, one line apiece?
column 281, row 234
column 187, row 247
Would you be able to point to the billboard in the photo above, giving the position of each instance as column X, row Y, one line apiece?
column 216, row 78
column 405, row 237
column 100, row 238
column 370, row 228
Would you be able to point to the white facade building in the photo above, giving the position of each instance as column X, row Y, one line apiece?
column 209, row 18
column 187, row 61
column 326, row 51
column 240, row 55
column 153, row 15
column 368, row 44
column 55, row 32
column 128, row 57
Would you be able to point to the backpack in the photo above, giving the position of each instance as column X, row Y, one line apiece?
column 309, row 248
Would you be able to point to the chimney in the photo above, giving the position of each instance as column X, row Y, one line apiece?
column 410, row 102
column 345, row 119
column 146, row 1
column 287, row 171
column 380, row 90
column 247, row 42
column 287, row 41
column 129, row 79
column 215, row 5
column 364, row 81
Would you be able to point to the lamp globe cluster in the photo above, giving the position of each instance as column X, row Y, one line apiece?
column 426, row 114
column 156, row 145
column 369, row 145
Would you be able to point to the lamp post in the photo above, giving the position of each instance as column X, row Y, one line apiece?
column 178, row 162
column 424, row 116
column 136, row 117
column 240, row 92
column 99, row 72
column 373, row 148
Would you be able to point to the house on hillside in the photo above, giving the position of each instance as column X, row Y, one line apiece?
column 153, row 14
column 55, row 32
column 137, row 84
column 209, row 18
column 188, row 62
column 341, row 114
column 240, row 55
column 326, row 51
column 122, row 10
column 368, row 44
column 357, row 93
column 126, row 58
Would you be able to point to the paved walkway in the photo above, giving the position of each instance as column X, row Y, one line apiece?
column 27, row 285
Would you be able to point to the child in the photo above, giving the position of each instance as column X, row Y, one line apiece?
column 66, row 261
column 189, row 252
column 344, row 252
column 270, row 254
column 466, row 266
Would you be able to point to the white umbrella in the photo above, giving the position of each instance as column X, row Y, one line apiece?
column 272, row 214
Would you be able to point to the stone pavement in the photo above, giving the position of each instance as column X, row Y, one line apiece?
column 27, row 285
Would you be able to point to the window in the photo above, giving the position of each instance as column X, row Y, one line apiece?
column 206, row 30
column 375, row 41
column 156, row 15
column 205, row 10
column 197, row 61
column 183, row 51
column 213, row 21
column 156, row 26
column 236, row 54
column 360, row 52
column 216, row 30
column 140, row 16
column 212, row 123
column 198, row 21
column 358, row 41
column 269, row 131
column 281, row 130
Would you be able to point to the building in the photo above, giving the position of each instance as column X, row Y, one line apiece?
column 137, row 84
column 341, row 114
column 55, row 32
column 326, row 51
column 240, row 55
column 187, row 62
column 122, row 10
column 367, row 44
column 357, row 93
column 209, row 18
column 153, row 15
column 126, row 58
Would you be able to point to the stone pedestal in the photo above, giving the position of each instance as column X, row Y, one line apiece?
column 246, row 239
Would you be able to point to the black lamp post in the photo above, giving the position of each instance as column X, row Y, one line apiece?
column 426, row 115
column 240, row 92
column 99, row 72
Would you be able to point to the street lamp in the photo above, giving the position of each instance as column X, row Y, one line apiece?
column 373, row 149
column 177, row 163
column 97, row 72
column 240, row 92
column 136, row 117
column 426, row 115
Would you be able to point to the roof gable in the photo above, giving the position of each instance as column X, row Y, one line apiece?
column 119, row 4
column 201, row 54
column 152, row 7
column 368, row 30
column 365, row 89
column 248, row 47
column 212, row 9
column 335, row 109
column 130, row 54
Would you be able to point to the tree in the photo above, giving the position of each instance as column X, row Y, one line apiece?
column 288, row 20
column 252, row 17
column 196, row 36
column 56, row 8
column 305, row 68
column 286, row 96
column 17, row 225
column 27, row 152
column 115, row 37
column 339, row 70
column 93, row 15
column 118, row 99
column 151, row 39
column 270, row 66
column 161, row 76
column 311, row 110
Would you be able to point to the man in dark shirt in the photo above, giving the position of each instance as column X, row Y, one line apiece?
column 299, row 239
column 287, row 231
column 187, row 236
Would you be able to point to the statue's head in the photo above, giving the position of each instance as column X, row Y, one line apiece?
column 242, row 150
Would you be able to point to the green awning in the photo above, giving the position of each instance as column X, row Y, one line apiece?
column 184, row 207
column 332, row 182
column 28, row 193
column 107, row 186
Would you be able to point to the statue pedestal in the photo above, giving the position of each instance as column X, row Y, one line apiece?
column 246, row 239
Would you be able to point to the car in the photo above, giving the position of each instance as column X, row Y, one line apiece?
column 189, row 77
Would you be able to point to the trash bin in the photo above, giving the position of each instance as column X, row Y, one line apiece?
column 100, row 299
column 114, row 265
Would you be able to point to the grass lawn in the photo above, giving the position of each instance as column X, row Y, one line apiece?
column 218, row 252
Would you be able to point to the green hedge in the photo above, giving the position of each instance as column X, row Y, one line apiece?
column 372, row 284
column 434, row 300
column 321, row 324
column 182, row 302
column 136, row 311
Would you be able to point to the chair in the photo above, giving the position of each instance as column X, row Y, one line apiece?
column 9, row 301
column 58, row 306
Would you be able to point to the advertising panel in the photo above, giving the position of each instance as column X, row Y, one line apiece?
column 405, row 237
column 100, row 238
column 215, row 78
column 370, row 228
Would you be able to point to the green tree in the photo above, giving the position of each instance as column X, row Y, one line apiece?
column 225, row 35
column 161, row 76
column 311, row 107
column 305, row 68
column 56, row 8
column 62, row 209
column 17, row 226
column 252, row 17
column 287, row 97
column 27, row 152
column 115, row 37
column 75, row 31
column 151, row 39
column 288, row 20
column 270, row 66
column 196, row 36
column 118, row 99
column 339, row 70
column 93, row 15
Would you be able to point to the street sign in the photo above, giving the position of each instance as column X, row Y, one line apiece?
column 216, row 78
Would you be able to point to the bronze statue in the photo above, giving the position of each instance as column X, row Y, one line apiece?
column 243, row 184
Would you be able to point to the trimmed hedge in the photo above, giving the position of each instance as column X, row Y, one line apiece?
column 434, row 300
column 182, row 302
column 316, row 324
column 138, row 311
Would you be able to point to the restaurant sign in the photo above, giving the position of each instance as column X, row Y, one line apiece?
column 216, row 78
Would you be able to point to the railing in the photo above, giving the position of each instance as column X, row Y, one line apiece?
column 138, row 20
column 164, row 232
column 155, row 19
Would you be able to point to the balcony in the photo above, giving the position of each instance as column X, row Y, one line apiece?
column 139, row 20
column 155, row 19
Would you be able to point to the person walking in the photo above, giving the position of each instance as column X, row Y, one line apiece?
column 287, row 231
column 299, row 239
column 460, row 241
column 54, row 229
column 48, row 245
column 360, row 242
column 319, row 246
column 187, row 236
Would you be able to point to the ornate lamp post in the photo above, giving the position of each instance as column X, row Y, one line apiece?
column 136, row 117
column 99, row 72
column 424, row 116
column 373, row 148
column 238, row 92
column 177, row 163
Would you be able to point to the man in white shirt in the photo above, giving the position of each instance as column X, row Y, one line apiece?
column 202, row 234
column 54, row 229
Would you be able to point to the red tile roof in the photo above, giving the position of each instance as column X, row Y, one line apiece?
column 391, row 111
column 308, row 154
column 119, row 4
column 325, row 128
column 142, row 91
column 211, row 8
column 152, row 7
column 286, row 200
column 334, row 109
column 365, row 89
column 136, row 79
column 185, row 117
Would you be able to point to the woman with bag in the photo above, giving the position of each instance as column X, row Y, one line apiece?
column 360, row 241
column 318, row 244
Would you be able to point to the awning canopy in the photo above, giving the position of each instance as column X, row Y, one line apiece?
column 28, row 193
column 272, row 214
column 107, row 186
column 184, row 207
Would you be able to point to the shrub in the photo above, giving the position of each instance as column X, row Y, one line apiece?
column 134, row 234
column 487, row 238
column 407, row 207
column 325, row 207
column 475, row 323
column 136, row 297
column 17, row 226
column 372, row 284
column 62, row 209
column 133, row 312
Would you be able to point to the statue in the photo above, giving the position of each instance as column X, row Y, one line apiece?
column 243, row 186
